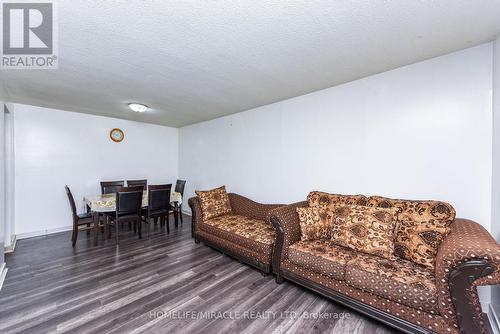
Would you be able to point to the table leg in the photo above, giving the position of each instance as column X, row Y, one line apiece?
column 96, row 227
column 176, row 214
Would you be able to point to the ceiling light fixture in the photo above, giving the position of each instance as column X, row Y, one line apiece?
column 137, row 107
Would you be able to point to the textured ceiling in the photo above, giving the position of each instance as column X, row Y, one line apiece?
column 196, row 60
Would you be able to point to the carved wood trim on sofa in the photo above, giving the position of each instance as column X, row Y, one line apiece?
column 460, row 282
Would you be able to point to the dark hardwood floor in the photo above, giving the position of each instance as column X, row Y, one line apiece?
column 164, row 284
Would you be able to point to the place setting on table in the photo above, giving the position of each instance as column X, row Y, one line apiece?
column 135, row 203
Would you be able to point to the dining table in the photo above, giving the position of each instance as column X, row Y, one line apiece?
column 105, row 203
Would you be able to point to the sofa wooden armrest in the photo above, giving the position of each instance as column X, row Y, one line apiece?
column 196, row 214
column 285, row 220
column 467, row 257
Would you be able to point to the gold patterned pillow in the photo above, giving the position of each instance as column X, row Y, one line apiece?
column 364, row 229
column 330, row 201
column 315, row 223
column 214, row 203
column 422, row 225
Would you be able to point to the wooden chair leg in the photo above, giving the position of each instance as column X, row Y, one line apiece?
column 109, row 231
column 148, row 221
column 139, row 223
column 116, row 231
column 88, row 229
column 74, row 236
column 167, row 222
column 180, row 212
column 176, row 215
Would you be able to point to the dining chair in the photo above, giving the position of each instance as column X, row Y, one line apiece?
column 109, row 187
column 82, row 221
column 128, row 209
column 134, row 183
column 179, row 187
column 158, row 205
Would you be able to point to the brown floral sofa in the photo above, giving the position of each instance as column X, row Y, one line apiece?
column 243, row 230
column 409, row 292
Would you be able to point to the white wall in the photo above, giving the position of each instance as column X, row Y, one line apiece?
column 495, row 198
column 420, row 131
column 495, row 227
column 54, row 148
column 2, row 189
column 9, row 177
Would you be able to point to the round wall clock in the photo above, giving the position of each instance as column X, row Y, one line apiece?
column 116, row 135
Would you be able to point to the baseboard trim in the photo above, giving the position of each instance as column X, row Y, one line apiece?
column 493, row 318
column 43, row 232
column 3, row 274
column 12, row 247
column 55, row 230
column 187, row 213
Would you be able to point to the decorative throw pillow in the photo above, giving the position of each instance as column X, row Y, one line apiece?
column 365, row 229
column 214, row 203
column 330, row 201
column 422, row 225
column 315, row 223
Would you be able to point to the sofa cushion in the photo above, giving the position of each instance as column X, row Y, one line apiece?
column 401, row 281
column 254, row 234
column 315, row 223
column 329, row 201
column 365, row 229
column 321, row 256
column 214, row 203
column 422, row 225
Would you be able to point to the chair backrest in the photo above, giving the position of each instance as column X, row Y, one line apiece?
column 134, row 183
column 109, row 187
column 129, row 200
column 179, row 186
column 71, row 201
column 159, row 197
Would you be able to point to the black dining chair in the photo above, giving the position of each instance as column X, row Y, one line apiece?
column 134, row 183
column 82, row 221
column 109, row 187
column 128, row 209
column 158, row 205
column 179, row 187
